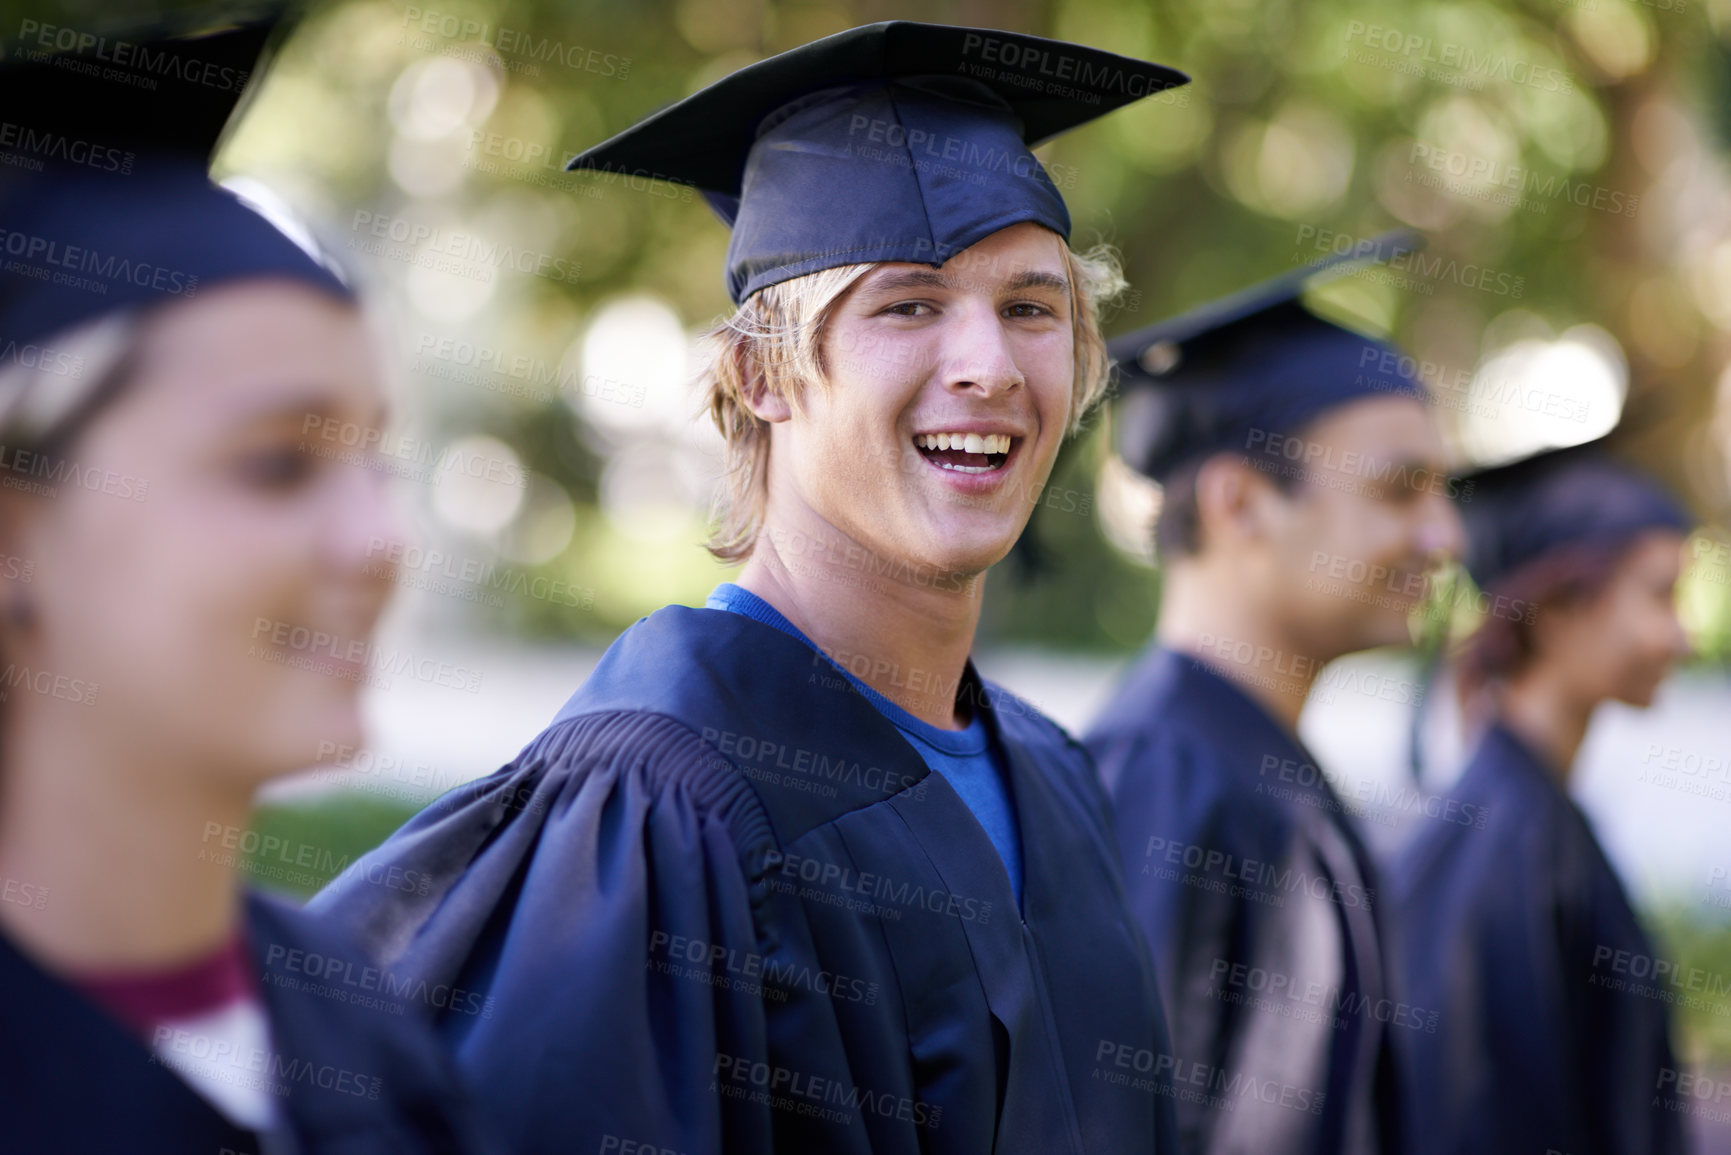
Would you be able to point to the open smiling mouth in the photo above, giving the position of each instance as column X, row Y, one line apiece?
column 966, row 452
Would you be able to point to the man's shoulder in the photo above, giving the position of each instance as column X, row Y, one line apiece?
column 725, row 705
column 1172, row 778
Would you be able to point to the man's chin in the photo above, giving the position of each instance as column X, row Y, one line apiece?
column 1641, row 695
column 1388, row 629
column 955, row 565
column 964, row 545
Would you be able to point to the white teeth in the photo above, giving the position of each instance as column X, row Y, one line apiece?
column 966, row 442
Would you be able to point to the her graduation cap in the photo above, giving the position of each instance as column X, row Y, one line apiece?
column 892, row 142
column 1204, row 382
column 122, row 212
column 125, row 100
column 1580, row 496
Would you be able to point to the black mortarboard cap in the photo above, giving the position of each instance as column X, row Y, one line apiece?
column 1209, row 380
column 76, row 99
column 891, row 142
column 1581, row 496
column 80, row 239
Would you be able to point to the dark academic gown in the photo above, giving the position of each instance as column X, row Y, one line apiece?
column 76, row 1079
column 1536, row 1047
column 1260, row 904
column 720, row 904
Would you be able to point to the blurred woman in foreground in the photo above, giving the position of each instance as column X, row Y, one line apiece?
column 1513, row 926
column 185, row 607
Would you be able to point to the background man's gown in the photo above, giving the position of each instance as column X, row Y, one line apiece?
column 1262, row 909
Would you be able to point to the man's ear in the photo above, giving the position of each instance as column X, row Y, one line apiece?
column 1231, row 500
column 763, row 402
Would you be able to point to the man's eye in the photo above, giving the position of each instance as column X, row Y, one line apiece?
column 1028, row 309
column 908, row 308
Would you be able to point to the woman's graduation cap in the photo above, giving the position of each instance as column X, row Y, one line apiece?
column 1559, row 499
column 123, row 212
column 1202, row 382
column 122, row 100
column 892, row 142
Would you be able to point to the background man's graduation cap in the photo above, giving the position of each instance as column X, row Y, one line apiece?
column 1202, row 382
column 891, row 142
column 83, row 237
column 1578, row 497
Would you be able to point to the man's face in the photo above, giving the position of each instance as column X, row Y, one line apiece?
column 1351, row 546
column 949, row 392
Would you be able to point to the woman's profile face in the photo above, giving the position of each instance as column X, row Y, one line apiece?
column 202, row 564
column 1624, row 641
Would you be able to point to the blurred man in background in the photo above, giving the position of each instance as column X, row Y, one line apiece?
column 1304, row 498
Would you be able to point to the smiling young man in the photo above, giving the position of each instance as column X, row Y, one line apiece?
column 1304, row 499
column 785, row 874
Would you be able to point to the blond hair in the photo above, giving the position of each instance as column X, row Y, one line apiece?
column 774, row 342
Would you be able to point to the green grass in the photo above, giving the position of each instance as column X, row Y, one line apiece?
column 303, row 845
column 1692, row 938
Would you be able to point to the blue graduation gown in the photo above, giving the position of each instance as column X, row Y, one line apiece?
column 1513, row 931
column 720, row 904
column 358, row 1082
column 1260, row 904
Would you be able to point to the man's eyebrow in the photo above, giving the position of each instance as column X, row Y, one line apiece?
column 935, row 279
column 1036, row 279
column 908, row 279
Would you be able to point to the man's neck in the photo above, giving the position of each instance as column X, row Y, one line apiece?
column 905, row 630
column 1205, row 616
